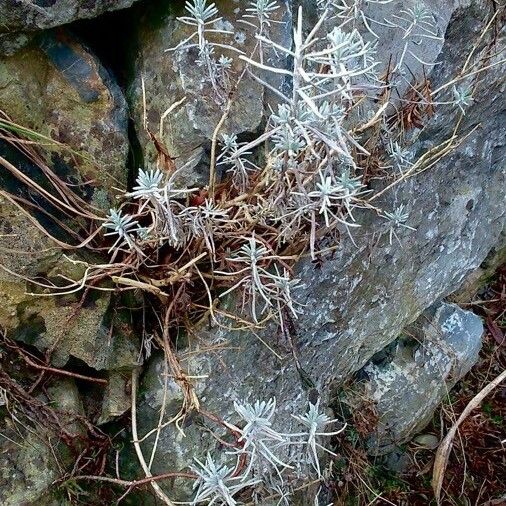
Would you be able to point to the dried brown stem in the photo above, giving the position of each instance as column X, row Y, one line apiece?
column 137, row 483
column 443, row 452
column 53, row 370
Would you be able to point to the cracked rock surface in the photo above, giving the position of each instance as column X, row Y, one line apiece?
column 435, row 352
column 357, row 301
column 17, row 15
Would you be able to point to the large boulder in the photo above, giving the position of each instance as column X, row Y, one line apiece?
column 406, row 386
column 164, row 78
column 18, row 15
column 358, row 299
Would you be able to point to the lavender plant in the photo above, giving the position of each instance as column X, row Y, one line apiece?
column 216, row 483
column 267, row 452
column 259, row 14
column 462, row 97
column 124, row 226
column 397, row 219
column 417, row 24
column 315, row 423
column 257, row 282
column 352, row 12
column 246, row 236
column 202, row 17
column 238, row 166
column 400, row 156
column 311, row 183
column 260, row 441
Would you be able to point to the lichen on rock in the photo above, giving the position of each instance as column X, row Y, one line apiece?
column 60, row 90
column 442, row 346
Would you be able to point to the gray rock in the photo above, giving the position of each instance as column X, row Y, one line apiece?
column 17, row 15
column 427, row 441
column 479, row 278
column 443, row 346
column 170, row 76
column 359, row 299
column 117, row 398
column 57, row 88
column 27, row 471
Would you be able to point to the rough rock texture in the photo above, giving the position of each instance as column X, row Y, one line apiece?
column 16, row 15
column 170, row 76
column 356, row 301
column 442, row 346
column 20, row 236
column 28, row 465
column 91, row 334
column 116, row 399
column 54, row 322
column 27, row 471
column 12, row 42
column 480, row 277
column 59, row 89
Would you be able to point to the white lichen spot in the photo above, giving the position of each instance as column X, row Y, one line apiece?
column 452, row 322
column 240, row 37
column 223, row 25
column 431, row 233
column 383, row 379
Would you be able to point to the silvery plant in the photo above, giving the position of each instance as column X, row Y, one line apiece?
column 310, row 185
column 260, row 462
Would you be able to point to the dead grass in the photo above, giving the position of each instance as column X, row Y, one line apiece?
column 475, row 472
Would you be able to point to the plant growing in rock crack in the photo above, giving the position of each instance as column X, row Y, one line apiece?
column 462, row 97
column 417, row 24
column 272, row 288
column 397, row 219
column 239, row 167
column 216, row 482
column 124, row 226
column 202, row 17
column 283, row 195
column 260, row 441
column 316, row 422
column 310, row 187
column 401, row 156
